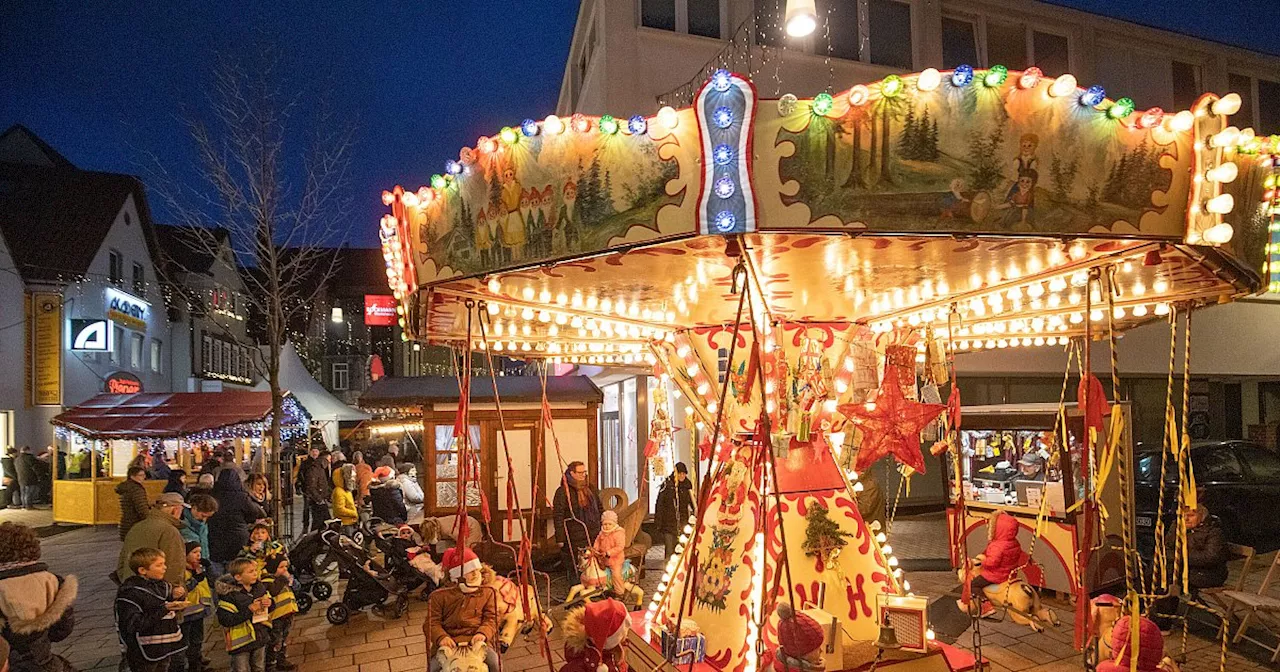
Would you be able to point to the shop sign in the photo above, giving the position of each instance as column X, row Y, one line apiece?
column 127, row 310
column 379, row 310
column 46, row 350
column 91, row 335
column 122, row 382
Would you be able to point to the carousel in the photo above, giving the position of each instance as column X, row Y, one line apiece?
column 801, row 274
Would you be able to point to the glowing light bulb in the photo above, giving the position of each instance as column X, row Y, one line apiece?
column 929, row 79
column 721, row 80
column 891, row 86
column 1121, row 108
column 608, row 125
column 787, row 104
column 995, row 76
column 801, row 18
column 1030, row 78
column 1228, row 104
column 637, row 125
column 1220, row 204
column 1062, row 86
column 722, row 116
column 962, row 76
column 1182, row 121
column 553, row 125
column 859, row 95
column 1151, row 118
column 1093, row 96
column 668, row 117
column 1219, row 234
column 1224, row 173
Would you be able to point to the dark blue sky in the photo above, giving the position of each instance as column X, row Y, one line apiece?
column 103, row 81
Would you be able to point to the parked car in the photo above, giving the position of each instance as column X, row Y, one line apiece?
column 1238, row 481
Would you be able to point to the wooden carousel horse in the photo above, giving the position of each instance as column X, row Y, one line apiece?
column 511, row 616
column 1017, row 597
column 594, row 578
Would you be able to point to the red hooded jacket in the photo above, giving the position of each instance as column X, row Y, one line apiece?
column 1150, row 647
column 1003, row 554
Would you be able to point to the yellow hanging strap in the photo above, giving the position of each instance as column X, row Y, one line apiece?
column 1160, row 578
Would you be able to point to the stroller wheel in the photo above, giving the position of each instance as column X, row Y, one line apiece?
column 322, row 590
column 304, row 602
column 337, row 614
column 400, row 606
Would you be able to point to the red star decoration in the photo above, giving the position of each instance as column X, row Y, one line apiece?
column 892, row 425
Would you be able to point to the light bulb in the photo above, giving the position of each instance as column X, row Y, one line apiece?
column 1224, row 173
column 1219, row 234
column 1228, row 104
column 1182, row 121
column 801, row 18
column 553, row 125
column 929, row 79
column 667, row 117
column 1220, row 204
column 1062, row 86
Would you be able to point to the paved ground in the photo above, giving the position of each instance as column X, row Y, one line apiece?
column 371, row 644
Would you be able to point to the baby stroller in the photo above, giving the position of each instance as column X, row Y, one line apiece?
column 408, row 573
column 308, row 559
column 368, row 583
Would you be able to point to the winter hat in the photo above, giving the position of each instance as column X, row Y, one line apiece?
column 273, row 562
column 609, row 517
column 606, row 623
column 798, row 634
column 383, row 472
column 459, row 562
column 192, row 545
column 1150, row 644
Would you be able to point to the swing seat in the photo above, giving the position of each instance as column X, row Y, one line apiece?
column 1022, row 602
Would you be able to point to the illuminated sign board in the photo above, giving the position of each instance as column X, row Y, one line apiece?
column 122, row 382
column 127, row 310
column 379, row 310
column 91, row 335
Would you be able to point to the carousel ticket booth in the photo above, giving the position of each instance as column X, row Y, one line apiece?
column 102, row 436
column 422, row 410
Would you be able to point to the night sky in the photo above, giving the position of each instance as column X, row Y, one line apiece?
column 104, row 85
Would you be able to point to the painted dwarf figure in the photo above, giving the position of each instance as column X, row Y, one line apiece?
column 568, row 219
column 595, row 636
column 513, row 236
column 463, row 613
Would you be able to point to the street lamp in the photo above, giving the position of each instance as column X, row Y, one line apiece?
column 801, row 17
column 336, row 315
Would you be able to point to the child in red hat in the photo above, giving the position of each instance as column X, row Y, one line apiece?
column 594, row 636
column 462, row 613
column 800, row 641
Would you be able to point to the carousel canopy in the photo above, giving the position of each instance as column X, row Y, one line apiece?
column 425, row 390
column 157, row 415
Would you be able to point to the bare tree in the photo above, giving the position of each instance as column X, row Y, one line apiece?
column 276, row 180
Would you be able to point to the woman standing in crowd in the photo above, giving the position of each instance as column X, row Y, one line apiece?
column 36, row 605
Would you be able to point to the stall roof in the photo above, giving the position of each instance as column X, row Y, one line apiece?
column 320, row 404
column 163, row 414
column 444, row 389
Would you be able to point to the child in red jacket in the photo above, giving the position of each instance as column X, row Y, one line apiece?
column 609, row 547
column 1002, row 555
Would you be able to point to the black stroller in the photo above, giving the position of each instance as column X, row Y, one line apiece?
column 368, row 583
column 395, row 557
column 308, row 559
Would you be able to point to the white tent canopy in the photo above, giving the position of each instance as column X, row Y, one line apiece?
column 325, row 409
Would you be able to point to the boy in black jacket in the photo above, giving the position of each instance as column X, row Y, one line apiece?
column 146, row 614
column 243, row 609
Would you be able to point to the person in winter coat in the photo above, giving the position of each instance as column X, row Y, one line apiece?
column 1206, row 559
column 161, row 530
column 9, row 463
column 593, row 637
column 28, row 478
column 1150, row 648
column 414, row 497
column 200, row 507
column 148, row 618
column 229, row 527
column 199, row 606
column 134, row 501
column 314, row 483
column 203, row 486
column 1002, row 555
column 344, row 503
column 364, row 477
column 609, row 547
column 35, row 604
column 177, row 483
column 674, row 506
column 284, row 606
column 465, row 612
column 578, row 512
column 386, row 498
column 260, row 493
column 241, row 597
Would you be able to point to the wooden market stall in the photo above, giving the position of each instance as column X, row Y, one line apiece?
column 423, row 409
column 100, row 437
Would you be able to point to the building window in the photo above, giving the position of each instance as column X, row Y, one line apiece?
column 118, row 350
column 1242, row 85
column 115, row 269
column 1051, row 53
column 339, row 379
column 660, row 14
column 841, row 30
column 1007, row 45
column 139, row 280
column 156, row 350
column 959, row 43
column 890, row 26
column 1186, row 85
column 769, row 32
column 206, row 354
column 1268, row 107
column 704, row 18
column 135, row 351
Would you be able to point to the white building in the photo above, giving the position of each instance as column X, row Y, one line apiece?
column 82, row 249
column 631, row 56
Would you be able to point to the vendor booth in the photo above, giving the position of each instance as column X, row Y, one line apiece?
column 100, row 437
column 421, row 410
column 804, row 271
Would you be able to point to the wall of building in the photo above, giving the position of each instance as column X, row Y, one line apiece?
column 12, row 349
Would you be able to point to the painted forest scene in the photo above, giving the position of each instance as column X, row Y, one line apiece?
column 961, row 160
column 547, row 198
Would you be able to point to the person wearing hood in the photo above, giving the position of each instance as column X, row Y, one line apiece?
column 177, row 482
column 1150, row 656
column 414, row 497
column 229, row 527
column 465, row 612
column 344, row 503
column 674, row 506
column 593, row 637
column 578, row 514
column 386, row 498
column 134, row 501
column 364, row 477
column 1002, row 555
column 161, row 530
column 35, row 604
column 200, row 507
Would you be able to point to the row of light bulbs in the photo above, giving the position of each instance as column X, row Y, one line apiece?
column 579, row 302
column 669, row 571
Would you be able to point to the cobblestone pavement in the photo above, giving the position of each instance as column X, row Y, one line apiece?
column 371, row 644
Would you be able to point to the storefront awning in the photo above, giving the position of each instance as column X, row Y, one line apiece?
column 166, row 415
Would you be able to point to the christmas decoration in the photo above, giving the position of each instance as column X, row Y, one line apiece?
column 891, row 425
column 823, row 538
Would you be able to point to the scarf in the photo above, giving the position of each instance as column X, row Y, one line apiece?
column 584, row 494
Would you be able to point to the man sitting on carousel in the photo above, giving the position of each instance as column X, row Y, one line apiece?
column 463, row 613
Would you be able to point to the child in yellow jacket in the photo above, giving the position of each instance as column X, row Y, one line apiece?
column 344, row 503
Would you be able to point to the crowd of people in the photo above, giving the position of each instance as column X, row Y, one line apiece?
column 354, row 491
column 28, row 477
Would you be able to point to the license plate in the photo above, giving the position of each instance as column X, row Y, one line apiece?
column 1142, row 521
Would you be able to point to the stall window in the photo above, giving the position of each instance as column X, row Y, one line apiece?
column 1007, row 45
column 890, row 26
column 1186, row 85
column 135, row 351
column 446, row 467
column 959, row 45
column 704, row 18
column 115, row 268
column 339, row 380
column 156, row 349
column 139, row 280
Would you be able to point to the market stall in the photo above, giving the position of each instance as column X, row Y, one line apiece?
column 326, row 411
column 100, row 438
column 801, row 274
